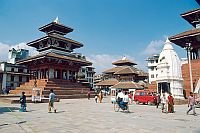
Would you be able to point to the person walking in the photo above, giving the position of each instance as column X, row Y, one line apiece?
column 170, row 103
column 51, row 101
column 22, row 102
column 191, row 103
column 96, row 97
column 88, row 94
column 157, row 100
column 130, row 96
column 100, row 96
column 163, row 102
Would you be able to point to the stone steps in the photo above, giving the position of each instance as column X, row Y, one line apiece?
column 62, row 88
column 64, row 92
column 75, row 96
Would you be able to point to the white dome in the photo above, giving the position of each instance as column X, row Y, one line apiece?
column 169, row 59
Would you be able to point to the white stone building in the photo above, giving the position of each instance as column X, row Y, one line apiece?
column 87, row 73
column 12, row 75
column 152, row 67
column 169, row 79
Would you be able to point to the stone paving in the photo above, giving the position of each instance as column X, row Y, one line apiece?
column 86, row 116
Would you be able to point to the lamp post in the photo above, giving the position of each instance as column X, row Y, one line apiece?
column 189, row 48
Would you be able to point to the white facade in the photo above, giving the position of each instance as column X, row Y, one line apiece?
column 12, row 75
column 169, row 72
column 88, row 73
column 152, row 67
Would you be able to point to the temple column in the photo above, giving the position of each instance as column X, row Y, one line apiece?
column 38, row 74
column 67, row 74
column 51, row 73
column 61, row 74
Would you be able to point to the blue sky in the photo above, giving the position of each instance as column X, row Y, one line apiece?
column 109, row 29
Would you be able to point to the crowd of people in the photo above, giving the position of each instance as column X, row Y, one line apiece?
column 123, row 99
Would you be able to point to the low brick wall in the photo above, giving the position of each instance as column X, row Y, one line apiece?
column 180, row 102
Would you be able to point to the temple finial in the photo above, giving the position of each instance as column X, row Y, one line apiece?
column 56, row 20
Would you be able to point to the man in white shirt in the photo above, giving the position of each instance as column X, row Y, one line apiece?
column 120, row 96
column 125, row 100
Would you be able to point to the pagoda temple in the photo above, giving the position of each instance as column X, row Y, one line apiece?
column 123, row 76
column 56, row 66
column 190, row 40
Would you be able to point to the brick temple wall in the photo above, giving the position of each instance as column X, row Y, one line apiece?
column 195, row 65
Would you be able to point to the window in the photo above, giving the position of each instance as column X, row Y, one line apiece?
column 20, row 78
column 12, row 69
column 12, row 78
column 152, row 75
column 20, row 70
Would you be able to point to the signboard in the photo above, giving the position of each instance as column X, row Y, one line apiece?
column 36, row 95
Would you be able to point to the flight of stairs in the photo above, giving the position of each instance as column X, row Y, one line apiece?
column 62, row 88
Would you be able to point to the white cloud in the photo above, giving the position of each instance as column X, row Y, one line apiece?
column 4, row 49
column 32, row 51
column 154, row 47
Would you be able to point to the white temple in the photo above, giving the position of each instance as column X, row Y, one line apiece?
column 169, row 78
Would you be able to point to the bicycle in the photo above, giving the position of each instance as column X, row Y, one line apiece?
column 117, row 107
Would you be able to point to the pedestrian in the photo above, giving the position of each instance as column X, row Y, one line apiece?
column 22, row 101
column 170, row 103
column 163, row 102
column 100, row 96
column 88, row 94
column 95, row 98
column 191, row 103
column 51, row 101
column 157, row 100
column 130, row 96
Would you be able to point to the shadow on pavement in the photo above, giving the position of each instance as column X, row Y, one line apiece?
column 8, row 109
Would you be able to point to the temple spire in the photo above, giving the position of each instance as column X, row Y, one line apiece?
column 56, row 20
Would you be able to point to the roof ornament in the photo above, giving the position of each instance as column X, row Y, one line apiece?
column 56, row 20
column 124, row 58
column 167, row 40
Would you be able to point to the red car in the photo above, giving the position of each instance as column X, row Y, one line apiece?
column 145, row 97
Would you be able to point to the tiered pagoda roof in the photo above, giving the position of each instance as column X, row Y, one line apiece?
column 56, row 57
column 120, row 70
column 128, row 85
column 54, row 45
column 55, row 39
column 124, row 61
column 192, row 16
column 191, row 36
column 108, row 82
column 55, row 27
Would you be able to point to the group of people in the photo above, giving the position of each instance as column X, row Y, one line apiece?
column 97, row 97
column 167, row 103
column 52, row 98
column 123, row 99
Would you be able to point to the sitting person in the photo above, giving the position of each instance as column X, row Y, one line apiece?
column 120, row 97
column 125, row 101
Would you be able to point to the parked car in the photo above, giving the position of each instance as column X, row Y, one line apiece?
column 145, row 97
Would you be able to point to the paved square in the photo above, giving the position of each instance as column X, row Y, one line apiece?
column 86, row 116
